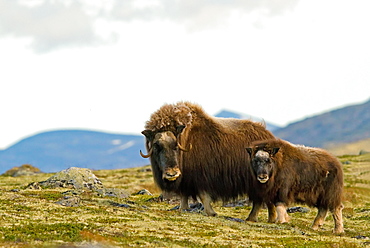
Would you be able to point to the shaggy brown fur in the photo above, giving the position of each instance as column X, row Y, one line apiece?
column 283, row 173
column 214, row 168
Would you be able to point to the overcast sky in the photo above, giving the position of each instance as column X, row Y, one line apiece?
column 107, row 65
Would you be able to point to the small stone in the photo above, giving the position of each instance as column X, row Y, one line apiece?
column 360, row 237
column 240, row 203
column 120, row 205
column 34, row 185
column 70, row 201
column 145, row 170
column 143, row 192
column 177, row 207
column 234, row 219
column 298, row 209
column 112, row 192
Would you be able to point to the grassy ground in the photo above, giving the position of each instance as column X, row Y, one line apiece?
column 31, row 218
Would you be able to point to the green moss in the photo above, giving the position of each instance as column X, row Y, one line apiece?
column 49, row 195
column 25, row 232
column 30, row 218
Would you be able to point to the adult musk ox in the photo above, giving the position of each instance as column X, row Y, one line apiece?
column 194, row 154
column 284, row 173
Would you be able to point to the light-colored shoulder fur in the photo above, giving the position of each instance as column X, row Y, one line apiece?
column 169, row 116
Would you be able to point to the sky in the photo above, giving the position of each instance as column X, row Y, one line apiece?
column 107, row 65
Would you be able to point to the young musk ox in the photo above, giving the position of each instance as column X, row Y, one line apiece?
column 194, row 154
column 284, row 173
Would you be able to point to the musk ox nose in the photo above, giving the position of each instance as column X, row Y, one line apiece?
column 263, row 178
column 171, row 174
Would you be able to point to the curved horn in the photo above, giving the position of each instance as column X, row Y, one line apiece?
column 148, row 155
column 183, row 148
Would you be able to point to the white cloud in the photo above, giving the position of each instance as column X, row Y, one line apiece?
column 60, row 24
column 279, row 61
column 121, row 147
column 50, row 24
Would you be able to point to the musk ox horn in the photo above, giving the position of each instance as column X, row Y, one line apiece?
column 148, row 155
column 183, row 148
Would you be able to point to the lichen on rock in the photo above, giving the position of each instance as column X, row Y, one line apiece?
column 73, row 177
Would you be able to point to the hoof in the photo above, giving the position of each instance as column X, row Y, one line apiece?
column 251, row 220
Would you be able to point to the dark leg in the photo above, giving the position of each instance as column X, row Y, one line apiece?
column 272, row 212
column 320, row 217
column 253, row 215
column 184, row 203
column 206, row 200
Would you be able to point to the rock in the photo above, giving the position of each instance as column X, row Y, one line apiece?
column 70, row 201
column 298, row 209
column 34, row 185
column 234, row 219
column 362, row 152
column 116, row 204
column 360, row 237
column 196, row 207
column 239, row 203
column 145, row 170
column 24, row 170
column 143, row 192
column 76, row 178
column 112, row 192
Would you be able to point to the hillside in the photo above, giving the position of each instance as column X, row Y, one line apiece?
column 339, row 126
column 57, row 150
column 33, row 218
column 353, row 148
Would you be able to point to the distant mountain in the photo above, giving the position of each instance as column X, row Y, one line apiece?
column 231, row 114
column 339, row 126
column 58, row 150
column 353, row 148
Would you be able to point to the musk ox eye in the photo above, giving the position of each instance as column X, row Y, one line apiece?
column 157, row 147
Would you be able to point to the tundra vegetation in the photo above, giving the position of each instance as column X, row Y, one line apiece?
column 31, row 217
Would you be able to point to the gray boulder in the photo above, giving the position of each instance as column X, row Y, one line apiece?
column 24, row 170
column 75, row 178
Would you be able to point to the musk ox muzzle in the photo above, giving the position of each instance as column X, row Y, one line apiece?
column 171, row 174
column 263, row 178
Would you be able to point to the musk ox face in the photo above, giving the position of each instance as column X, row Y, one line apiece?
column 164, row 151
column 262, row 162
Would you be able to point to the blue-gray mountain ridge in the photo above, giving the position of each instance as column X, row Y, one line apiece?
column 58, row 150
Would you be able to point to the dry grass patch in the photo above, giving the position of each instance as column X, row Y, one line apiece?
column 31, row 218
